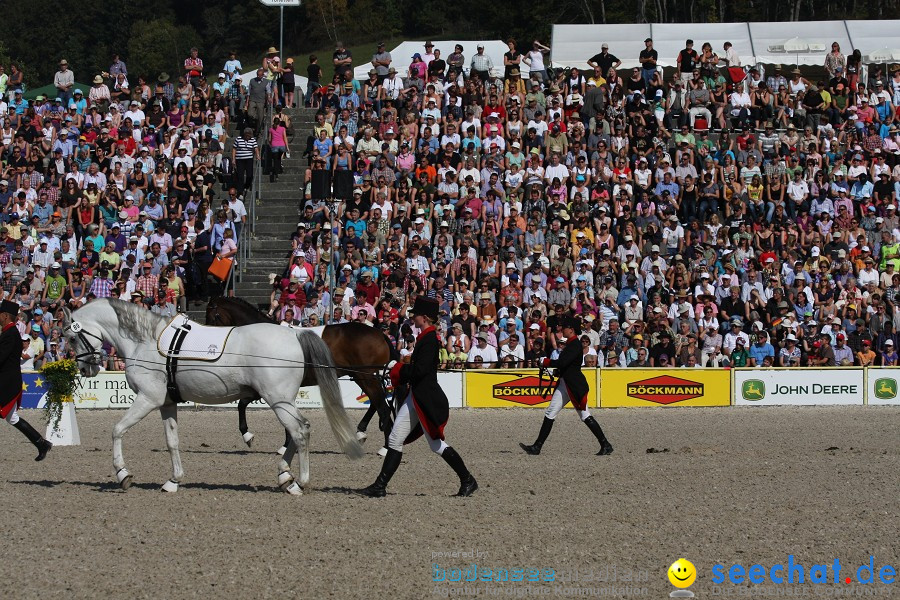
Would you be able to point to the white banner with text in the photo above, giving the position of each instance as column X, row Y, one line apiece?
column 799, row 387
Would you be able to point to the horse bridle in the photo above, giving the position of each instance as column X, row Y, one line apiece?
column 95, row 355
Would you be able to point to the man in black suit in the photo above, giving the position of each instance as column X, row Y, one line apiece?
column 572, row 386
column 11, row 377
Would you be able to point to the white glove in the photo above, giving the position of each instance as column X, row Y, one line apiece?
column 391, row 364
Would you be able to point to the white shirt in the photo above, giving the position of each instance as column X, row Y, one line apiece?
column 488, row 355
column 552, row 171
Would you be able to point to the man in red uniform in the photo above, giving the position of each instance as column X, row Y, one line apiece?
column 11, row 377
column 425, row 410
column 572, row 386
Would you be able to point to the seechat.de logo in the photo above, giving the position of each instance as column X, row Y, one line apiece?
column 665, row 389
column 523, row 390
column 886, row 388
column 753, row 389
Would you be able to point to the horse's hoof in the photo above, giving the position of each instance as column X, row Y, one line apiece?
column 248, row 439
column 382, row 452
column 288, row 485
column 169, row 486
column 124, row 478
column 281, row 451
column 361, row 436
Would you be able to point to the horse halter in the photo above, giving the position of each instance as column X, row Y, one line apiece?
column 93, row 353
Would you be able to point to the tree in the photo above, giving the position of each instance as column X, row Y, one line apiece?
column 160, row 45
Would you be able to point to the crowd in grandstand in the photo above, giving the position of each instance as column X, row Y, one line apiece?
column 717, row 216
column 116, row 191
column 721, row 215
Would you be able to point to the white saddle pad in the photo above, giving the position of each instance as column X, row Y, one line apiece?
column 201, row 342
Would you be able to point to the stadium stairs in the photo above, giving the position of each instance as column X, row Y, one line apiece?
column 277, row 214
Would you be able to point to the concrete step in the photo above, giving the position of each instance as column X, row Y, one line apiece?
column 288, row 177
column 261, row 247
column 282, row 194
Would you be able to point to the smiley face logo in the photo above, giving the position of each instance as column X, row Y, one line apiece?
column 682, row 573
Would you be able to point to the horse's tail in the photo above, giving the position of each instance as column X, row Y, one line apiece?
column 318, row 357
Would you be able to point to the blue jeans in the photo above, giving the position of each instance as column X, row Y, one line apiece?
column 648, row 74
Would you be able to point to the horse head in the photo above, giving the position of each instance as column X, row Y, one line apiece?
column 86, row 355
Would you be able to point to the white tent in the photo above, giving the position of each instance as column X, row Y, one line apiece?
column 574, row 45
column 869, row 36
column 780, row 43
column 401, row 56
column 804, row 43
column 669, row 38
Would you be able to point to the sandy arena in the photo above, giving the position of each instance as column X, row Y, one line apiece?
column 720, row 486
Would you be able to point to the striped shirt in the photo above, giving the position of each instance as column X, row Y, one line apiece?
column 244, row 148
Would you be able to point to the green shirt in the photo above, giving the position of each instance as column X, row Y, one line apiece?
column 55, row 286
column 739, row 358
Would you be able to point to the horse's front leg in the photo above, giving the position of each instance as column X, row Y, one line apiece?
column 169, row 414
column 140, row 409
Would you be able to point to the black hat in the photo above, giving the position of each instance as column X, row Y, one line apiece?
column 568, row 322
column 427, row 307
column 10, row 308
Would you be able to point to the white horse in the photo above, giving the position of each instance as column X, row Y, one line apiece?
column 259, row 361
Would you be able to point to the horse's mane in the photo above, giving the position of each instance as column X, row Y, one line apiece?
column 136, row 323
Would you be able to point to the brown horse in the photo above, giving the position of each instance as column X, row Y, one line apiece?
column 359, row 351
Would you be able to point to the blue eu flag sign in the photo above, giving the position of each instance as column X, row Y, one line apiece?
column 34, row 387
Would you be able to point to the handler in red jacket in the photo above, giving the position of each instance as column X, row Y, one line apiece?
column 11, row 377
column 425, row 410
column 572, row 386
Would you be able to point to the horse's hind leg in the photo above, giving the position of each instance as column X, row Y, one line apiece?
column 140, row 409
column 242, row 420
column 298, row 427
column 169, row 414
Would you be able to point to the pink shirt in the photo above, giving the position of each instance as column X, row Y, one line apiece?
column 278, row 136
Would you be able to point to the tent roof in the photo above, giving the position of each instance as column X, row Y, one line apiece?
column 765, row 35
column 401, row 56
column 573, row 45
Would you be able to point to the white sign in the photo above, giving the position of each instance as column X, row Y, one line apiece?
column 883, row 384
column 452, row 384
column 798, row 387
column 280, row 2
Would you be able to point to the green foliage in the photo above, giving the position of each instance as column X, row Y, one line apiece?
column 160, row 45
column 61, row 378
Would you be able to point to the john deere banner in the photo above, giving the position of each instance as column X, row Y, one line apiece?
column 522, row 388
column 664, row 387
column 883, row 384
column 799, row 387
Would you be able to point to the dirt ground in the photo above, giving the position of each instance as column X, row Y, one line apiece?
column 720, row 486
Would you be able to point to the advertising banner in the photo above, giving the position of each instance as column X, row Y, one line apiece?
column 109, row 389
column 882, row 386
column 799, row 387
column 497, row 388
column 664, row 387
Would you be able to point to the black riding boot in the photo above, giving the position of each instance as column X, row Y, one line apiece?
column 388, row 468
column 535, row 448
column 34, row 437
column 594, row 426
column 467, row 483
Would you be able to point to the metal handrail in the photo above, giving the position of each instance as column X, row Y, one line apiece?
column 251, row 200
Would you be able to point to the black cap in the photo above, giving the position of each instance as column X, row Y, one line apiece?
column 10, row 308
